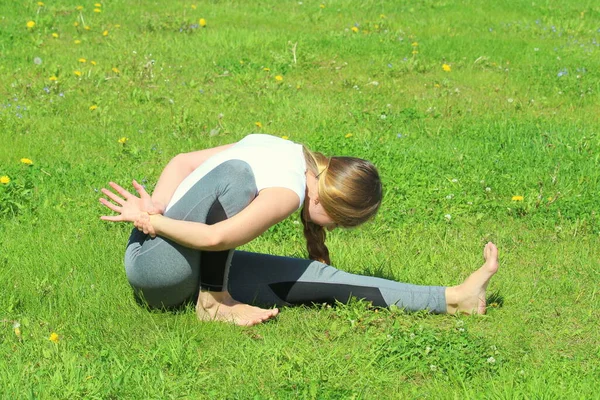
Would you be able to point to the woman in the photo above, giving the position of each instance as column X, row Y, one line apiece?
column 209, row 202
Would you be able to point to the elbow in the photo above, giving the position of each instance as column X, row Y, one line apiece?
column 214, row 240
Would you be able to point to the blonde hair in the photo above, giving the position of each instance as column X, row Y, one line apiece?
column 350, row 192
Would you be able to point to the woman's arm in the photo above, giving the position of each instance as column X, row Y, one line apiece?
column 177, row 170
column 271, row 206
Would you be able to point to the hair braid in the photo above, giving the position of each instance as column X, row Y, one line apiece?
column 315, row 240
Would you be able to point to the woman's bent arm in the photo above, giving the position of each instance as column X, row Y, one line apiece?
column 271, row 206
column 177, row 170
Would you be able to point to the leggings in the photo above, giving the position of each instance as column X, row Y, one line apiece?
column 165, row 274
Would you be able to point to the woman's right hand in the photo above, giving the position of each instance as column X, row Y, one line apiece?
column 143, row 224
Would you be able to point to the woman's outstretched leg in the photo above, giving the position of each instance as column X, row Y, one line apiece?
column 274, row 280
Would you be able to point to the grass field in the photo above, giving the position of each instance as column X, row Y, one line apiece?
column 483, row 118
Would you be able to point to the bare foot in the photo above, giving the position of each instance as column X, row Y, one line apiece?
column 469, row 296
column 220, row 306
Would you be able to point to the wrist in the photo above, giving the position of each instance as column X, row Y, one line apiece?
column 155, row 222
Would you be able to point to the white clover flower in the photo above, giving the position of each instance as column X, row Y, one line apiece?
column 433, row 367
column 491, row 360
column 448, row 217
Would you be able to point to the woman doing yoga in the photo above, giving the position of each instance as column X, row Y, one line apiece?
column 209, row 202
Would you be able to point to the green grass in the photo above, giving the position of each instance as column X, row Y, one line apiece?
column 517, row 115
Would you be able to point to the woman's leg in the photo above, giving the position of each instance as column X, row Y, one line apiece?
column 166, row 274
column 273, row 280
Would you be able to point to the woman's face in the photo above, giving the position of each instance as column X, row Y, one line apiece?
column 317, row 215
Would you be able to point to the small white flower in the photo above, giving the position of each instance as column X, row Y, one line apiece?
column 461, row 329
column 448, row 217
column 491, row 360
column 488, row 189
column 37, row 61
column 16, row 325
column 433, row 367
column 454, row 180
column 450, row 196
column 510, row 100
column 427, row 350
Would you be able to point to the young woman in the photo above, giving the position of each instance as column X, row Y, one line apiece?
column 209, row 202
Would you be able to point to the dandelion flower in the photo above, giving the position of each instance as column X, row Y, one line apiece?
column 266, row 69
column 97, row 10
column 26, row 161
column 82, row 60
column 54, row 337
column 517, row 198
column 5, row 180
column 258, row 125
column 97, row 5
column 77, row 41
column 123, row 140
column 446, row 68
column 77, row 73
column 202, row 22
column 279, row 78
column 193, row 6
column 55, row 35
column 348, row 135
column 105, row 33
column 53, row 78
column 355, row 29
column 284, row 137
column 93, row 107
column 30, row 24
column 116, row 70
column 39, row 3
column 75, row 24
column 87, row 27
column 414, row 44
column 93, row 62
column 415, row 52
column 322, row 6
column 79, row 8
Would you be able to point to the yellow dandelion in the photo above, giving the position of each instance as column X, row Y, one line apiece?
column 53, row 78
column 266, row 69
column 93, row 107
column 193, row 6
column 105, row 33
column 116, row 70
column 39, row 3
column 517, row 198
column 93, row 62
column 5, row 180
column 278, row 78
column 348, row 135
column 97, row 10
column 322, row 6
column 77, row 73
column 82, row 60
column 415, row 52
column 75, row 24
column 30, row 24
column 54, row 337
column 26, row 161
column 18, row 332
column 436, row 85
column 258, row 125
column 123, row 140
column 79, row 8
column 202, row 22
column 77, row 41
column 284, row 137
column 97, row 5
column 355, row 29
column 446, row 67
column 87, row 27
column 414, row 44
column 117, row 25
column 55, row 35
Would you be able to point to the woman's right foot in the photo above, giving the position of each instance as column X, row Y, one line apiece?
column 469, row 296
column 220, row 306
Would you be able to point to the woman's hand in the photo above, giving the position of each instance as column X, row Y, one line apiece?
column 143, row 224
column 129, row 206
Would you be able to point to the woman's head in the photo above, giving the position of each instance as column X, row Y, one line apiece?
column 349, row 191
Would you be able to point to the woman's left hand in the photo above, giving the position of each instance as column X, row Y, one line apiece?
column 129, row 207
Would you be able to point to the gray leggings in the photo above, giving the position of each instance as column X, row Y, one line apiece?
column 166, row 274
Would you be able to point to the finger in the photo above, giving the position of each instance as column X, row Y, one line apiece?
column 140, row 189
column 111, row 218
column 110, row 205
column 120, row 190
column 112, row 196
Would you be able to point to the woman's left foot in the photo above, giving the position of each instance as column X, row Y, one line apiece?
column 220, row 306
column 469, row 296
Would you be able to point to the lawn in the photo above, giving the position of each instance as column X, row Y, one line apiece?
column 482, row 117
